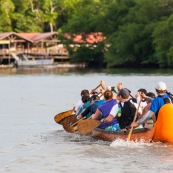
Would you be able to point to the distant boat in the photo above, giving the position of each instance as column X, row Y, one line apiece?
column 24, row 61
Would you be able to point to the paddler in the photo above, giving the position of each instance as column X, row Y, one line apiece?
column 162, row 98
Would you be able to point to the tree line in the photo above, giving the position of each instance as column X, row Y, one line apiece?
column 138, row 32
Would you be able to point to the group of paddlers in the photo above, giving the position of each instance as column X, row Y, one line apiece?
column 117, row 109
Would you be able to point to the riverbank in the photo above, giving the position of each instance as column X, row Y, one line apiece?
column 57, row 68
column 82, row 69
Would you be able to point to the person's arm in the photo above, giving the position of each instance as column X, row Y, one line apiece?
column 96, row 115
column 145, row 110
column 78, row 105
column 147, row 116
column 136, row 106
column 86, row 111
column 108, row 119
column 112, row 114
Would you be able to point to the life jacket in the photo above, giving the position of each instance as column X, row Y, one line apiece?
column 126, row 113
column 166, row 101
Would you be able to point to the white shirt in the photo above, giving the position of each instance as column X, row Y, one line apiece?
column 114, row 109
column 143, row 104
column 78, row 105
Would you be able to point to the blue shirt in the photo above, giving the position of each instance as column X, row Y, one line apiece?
column 99, row 102
column 157, row 103
column 87, row 104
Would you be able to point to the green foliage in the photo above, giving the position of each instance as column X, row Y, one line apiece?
column 132, row 41
column 6, row 8
column 163, row 41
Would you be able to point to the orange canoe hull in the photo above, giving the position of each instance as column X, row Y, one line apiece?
column 137, row 135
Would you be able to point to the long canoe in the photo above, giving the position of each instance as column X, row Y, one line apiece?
column 143, row 134
column 137, row 134
column 162, row 131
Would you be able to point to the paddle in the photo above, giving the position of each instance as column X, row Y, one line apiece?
column 86, row 126
column 136, row 113
column 67, row 121
column 59, row 117
column 169, row 93
column 73, row 126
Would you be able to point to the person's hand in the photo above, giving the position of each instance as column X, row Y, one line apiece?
column 120, row 86
column 143, row 95
column 79, row 116
column 134, row 124
column 138, row 94
column 102, row 83
column 109, row 88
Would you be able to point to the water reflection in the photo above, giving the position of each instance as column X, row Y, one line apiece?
column 62, row 70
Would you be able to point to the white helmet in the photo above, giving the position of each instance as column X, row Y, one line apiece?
column 161, row 86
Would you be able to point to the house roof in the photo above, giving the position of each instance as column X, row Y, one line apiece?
column 4, row 35
column 86, row 38
column 31, row 37
column 36, row 37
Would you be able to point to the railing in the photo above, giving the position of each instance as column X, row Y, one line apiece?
column 60, row 51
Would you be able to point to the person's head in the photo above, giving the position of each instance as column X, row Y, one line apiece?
column 124, row 93
column 86, row 99
column 150, row 97
column 127, row 90
column 119, row 86
column 84, row 92
column 161, row 88
column 142, row 90
column 108, row 95
column 94, row 98
column 151, row 94
column 94, row 92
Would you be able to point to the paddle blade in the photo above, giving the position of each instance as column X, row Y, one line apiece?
column 130, row 133
column 86, row 126
column 66, row 123
column 59, row 117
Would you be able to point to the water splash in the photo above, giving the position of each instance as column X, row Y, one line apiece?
column 129, row 144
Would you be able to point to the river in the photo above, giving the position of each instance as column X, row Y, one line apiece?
column 31, row 142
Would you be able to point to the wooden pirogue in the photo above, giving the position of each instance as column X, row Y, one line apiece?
column 143, row 134
column 137, row 134
column 162, row 131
